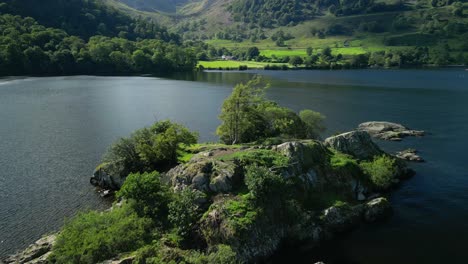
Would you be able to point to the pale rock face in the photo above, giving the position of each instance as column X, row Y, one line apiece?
column 103, row 177
column 338, row 219
column 388, row 131
column 356, row 143
column 410, row 155
column 36, row 253
column 377, row 209
column 206, row 175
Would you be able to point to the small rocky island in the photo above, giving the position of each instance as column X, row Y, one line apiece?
column 271, row 182
column 327, row 190
column 389, row 131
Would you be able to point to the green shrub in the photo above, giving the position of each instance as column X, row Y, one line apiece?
column 95, row 236
column 241, row 214
column 263, row 184
column 159, row 253
column 313, row 122
column 260, row 157
column 223, row 255
column 184, row 211
column 340, row 160
column 381, row 171
column 150, row 196
column 157, row 147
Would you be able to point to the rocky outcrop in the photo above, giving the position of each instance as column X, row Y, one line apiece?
column 37, row 253
column 355, row 143
column 337, row 219
column 388, row 131
column 410, row 155
column 377, row 209
column 341, row 218
column 206, row 175
column 108, row 176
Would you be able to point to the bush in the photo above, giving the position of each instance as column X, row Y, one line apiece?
column 263, row 183
column 184, row 211
column 95, row 236
column 159, row 253
column 381, row 171
column 148, row 149
column 150, row 196
column 223, row 255
column 314, row 123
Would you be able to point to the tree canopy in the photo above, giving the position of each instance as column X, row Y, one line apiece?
column 247, row 116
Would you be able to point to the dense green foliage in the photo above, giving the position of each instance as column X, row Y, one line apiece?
column 184, row 212
column 94, row 236
column 153, row 148
column 263, row 183
column 161, row 253
column 268, row 13
column 248, row 116
column 381, row 171
column 27, row 47
column 148, row 195
column 86, row 18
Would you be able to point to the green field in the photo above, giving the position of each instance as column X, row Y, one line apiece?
column 235, row 64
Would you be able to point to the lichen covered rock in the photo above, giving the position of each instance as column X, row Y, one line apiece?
column 109, row 176
column 388, row 131
column 356, row 143
column 377, row 209
column 36, row 253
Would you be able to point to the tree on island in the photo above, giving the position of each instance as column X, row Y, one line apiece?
column 247, row 116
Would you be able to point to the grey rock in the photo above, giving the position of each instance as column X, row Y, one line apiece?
column 377, row 209
column 361, row 197
column 36, row 253
column 410, row 155
column 109, row 176
column 356, row 143
column 388, row 131
column 205, row 175
column 341, row 218
column 221, row 184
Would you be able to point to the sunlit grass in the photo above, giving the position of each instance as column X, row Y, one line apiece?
column 234, row 64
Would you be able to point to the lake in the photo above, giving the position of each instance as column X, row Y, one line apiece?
column 54, row 131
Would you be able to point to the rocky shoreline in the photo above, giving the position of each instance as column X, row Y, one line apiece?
column 211, row 172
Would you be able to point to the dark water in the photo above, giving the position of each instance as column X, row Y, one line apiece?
column 53, row 132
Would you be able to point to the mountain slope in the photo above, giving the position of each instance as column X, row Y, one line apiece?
column 168, row 6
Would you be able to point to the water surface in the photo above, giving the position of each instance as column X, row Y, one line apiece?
column 54, row 130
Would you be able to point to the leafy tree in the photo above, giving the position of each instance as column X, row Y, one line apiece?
column 155, row 148
column 184, row 211
column 296, row 61
column 248, row 116
column 309, row 51
column 149, row 196
column 238, row 113
column 314, row 123
column 252, row 53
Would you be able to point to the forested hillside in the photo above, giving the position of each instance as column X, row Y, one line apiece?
column 85, row 18
column 155, row 5
column 269, row 13
column 84, row 37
